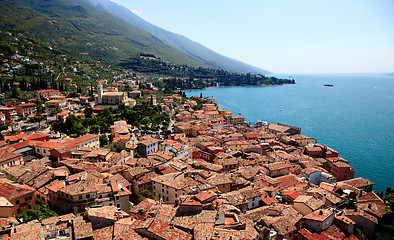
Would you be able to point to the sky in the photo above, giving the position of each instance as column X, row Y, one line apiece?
column 284, row 36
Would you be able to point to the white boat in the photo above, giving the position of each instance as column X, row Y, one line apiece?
column 261, row 123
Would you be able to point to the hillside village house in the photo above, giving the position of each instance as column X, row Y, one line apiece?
column 84, row 190
column 302, row 140
column 282, row 129
column 112, row 97
column 19, row 195
column 10, row 113
column 120, row 129
column 176, row 148
column 278, row 168
column 168, row 187
column 56, row 101
column 316, row 176
column 6, row 208
column 8, row 159
column 342, row 171
column 319, row 220
column 63, row 115
column 147, row 146
column 88, row 140
column 307, row 204
column 26, row 109
column 47, row 93
column 236, row 120
column 44, row 148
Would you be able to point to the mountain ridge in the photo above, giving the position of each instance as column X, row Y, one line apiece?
column 190, row 47
column 82, row 27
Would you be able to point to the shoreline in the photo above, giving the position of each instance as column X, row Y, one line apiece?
column 265, row 85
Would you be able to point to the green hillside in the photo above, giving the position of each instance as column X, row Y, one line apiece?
column 78, row 27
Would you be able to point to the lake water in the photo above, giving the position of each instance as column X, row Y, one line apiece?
column 354, row 117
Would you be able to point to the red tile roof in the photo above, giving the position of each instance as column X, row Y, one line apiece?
column 319, row 215
column 82, row 230
column 35, row 136
column 165, row 231
column 204, row 196
column 292, row 193
column 27, row 105
column 10, row 191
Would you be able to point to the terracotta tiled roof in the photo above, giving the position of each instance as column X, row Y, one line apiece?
column 369, row 198
column 5, row 156
column 165, row 231
column 103, row 233
column 190, row 221
column 106, row 212
column 309, row 201
column 34, row 136
column 292, row 193
column 14, row 138
column 82, row 229
column 13, row 191
column 80, row 187
column 349, row 213
column 169, row 180
column 357, row 182
column 278, row 165
column 290, row 180
column 145, row 206
column 164, row 212
column 204, row 196
column 319, row 215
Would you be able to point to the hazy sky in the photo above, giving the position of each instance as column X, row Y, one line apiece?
column 291, row 36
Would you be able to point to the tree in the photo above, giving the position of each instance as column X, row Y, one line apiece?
column 38, row 211
column 145, row 121
column 95, row 129
column 103, row 140
column 145, row 194
column 15, row 93
column 88, row 112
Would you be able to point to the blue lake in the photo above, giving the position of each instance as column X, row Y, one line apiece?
column 354, row 117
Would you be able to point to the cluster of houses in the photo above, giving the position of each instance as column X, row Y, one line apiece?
column 215, row 177
column 14, row 110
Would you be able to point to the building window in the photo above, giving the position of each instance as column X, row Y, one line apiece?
column 87, row 196
column 118, row 205
column 27, row 198
column 117, row 197
column 18, row 211
column 17, row 202
column 79, row 197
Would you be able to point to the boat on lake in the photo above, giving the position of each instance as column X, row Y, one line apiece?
column 328, row 85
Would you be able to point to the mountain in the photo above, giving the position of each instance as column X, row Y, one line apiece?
column 77, row 26
column 82, row 27
column 197, row 51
